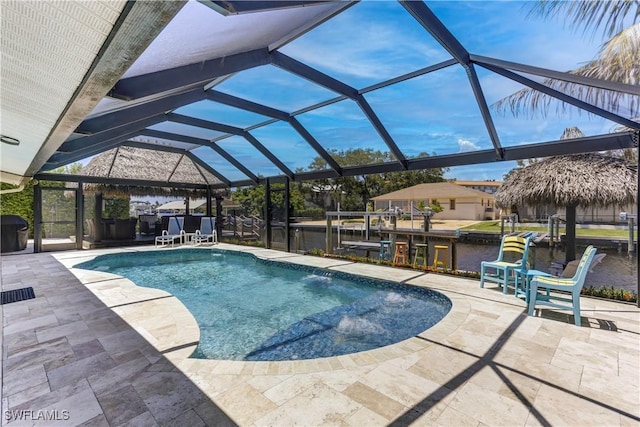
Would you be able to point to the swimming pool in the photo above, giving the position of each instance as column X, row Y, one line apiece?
column 253, row 309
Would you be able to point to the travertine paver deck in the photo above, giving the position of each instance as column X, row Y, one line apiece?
column 96, row 349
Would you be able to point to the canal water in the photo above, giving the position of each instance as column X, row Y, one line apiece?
column 617, row 268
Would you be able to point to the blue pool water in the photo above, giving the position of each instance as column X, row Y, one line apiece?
column 251, row 309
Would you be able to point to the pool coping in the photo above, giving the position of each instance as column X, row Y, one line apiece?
column 172, row 330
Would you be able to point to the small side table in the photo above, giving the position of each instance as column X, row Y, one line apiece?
column 526, row 276
column 188, row 238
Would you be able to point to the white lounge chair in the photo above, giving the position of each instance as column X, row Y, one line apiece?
column 175, row 232
column 207, row 231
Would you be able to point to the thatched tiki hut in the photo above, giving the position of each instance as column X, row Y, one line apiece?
column 139, row 164
column 577, row 180
column 144, row 172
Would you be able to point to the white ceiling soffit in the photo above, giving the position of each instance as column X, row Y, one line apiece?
column 212, row 35
column 58, row 59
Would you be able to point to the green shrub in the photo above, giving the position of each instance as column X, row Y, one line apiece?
column 116, row 207
column 611, row 293
column 315, row 213
column 601, row 292
column 353, row 221
column 20, row 203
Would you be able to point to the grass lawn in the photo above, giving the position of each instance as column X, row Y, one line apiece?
column 494, row 226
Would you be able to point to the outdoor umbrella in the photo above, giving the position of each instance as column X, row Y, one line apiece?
column 576, row 180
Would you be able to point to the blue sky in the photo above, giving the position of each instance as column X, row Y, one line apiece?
column 435, row 113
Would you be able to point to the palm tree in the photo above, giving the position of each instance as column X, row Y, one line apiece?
column 618, row 59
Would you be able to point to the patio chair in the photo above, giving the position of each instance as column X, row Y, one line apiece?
column 572, row 266
column 571, row 287
column 207, row 231
column 502, row 271
column 175, row 232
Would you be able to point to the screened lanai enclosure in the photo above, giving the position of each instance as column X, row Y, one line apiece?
column 262, row 92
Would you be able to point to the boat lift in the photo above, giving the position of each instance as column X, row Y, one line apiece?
column 631, row 219
column 366, row 229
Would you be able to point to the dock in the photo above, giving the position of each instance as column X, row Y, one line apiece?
column 363, row 245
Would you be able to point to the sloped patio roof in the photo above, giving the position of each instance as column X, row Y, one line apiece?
column 436, row 190
column 201, row 78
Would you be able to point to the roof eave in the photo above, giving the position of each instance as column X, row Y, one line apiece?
column 137, row 26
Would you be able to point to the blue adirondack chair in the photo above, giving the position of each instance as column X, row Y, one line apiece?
column 570, row 299
column 501, row 271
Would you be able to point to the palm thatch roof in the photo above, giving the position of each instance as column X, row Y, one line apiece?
column 577, row 180
column 572, row 133
column 132, row 163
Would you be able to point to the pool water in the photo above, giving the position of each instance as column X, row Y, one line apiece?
column 251, row 309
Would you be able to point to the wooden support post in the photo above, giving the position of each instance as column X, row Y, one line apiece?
column 454, row 255
column 570, row 231
column 426, row 226
column 367, row 226
column 630, row 243
column 393, row 237
column 209, row 207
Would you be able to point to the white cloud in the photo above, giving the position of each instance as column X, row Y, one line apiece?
column 481, row 172
column 465, row 145
column 384, row 41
